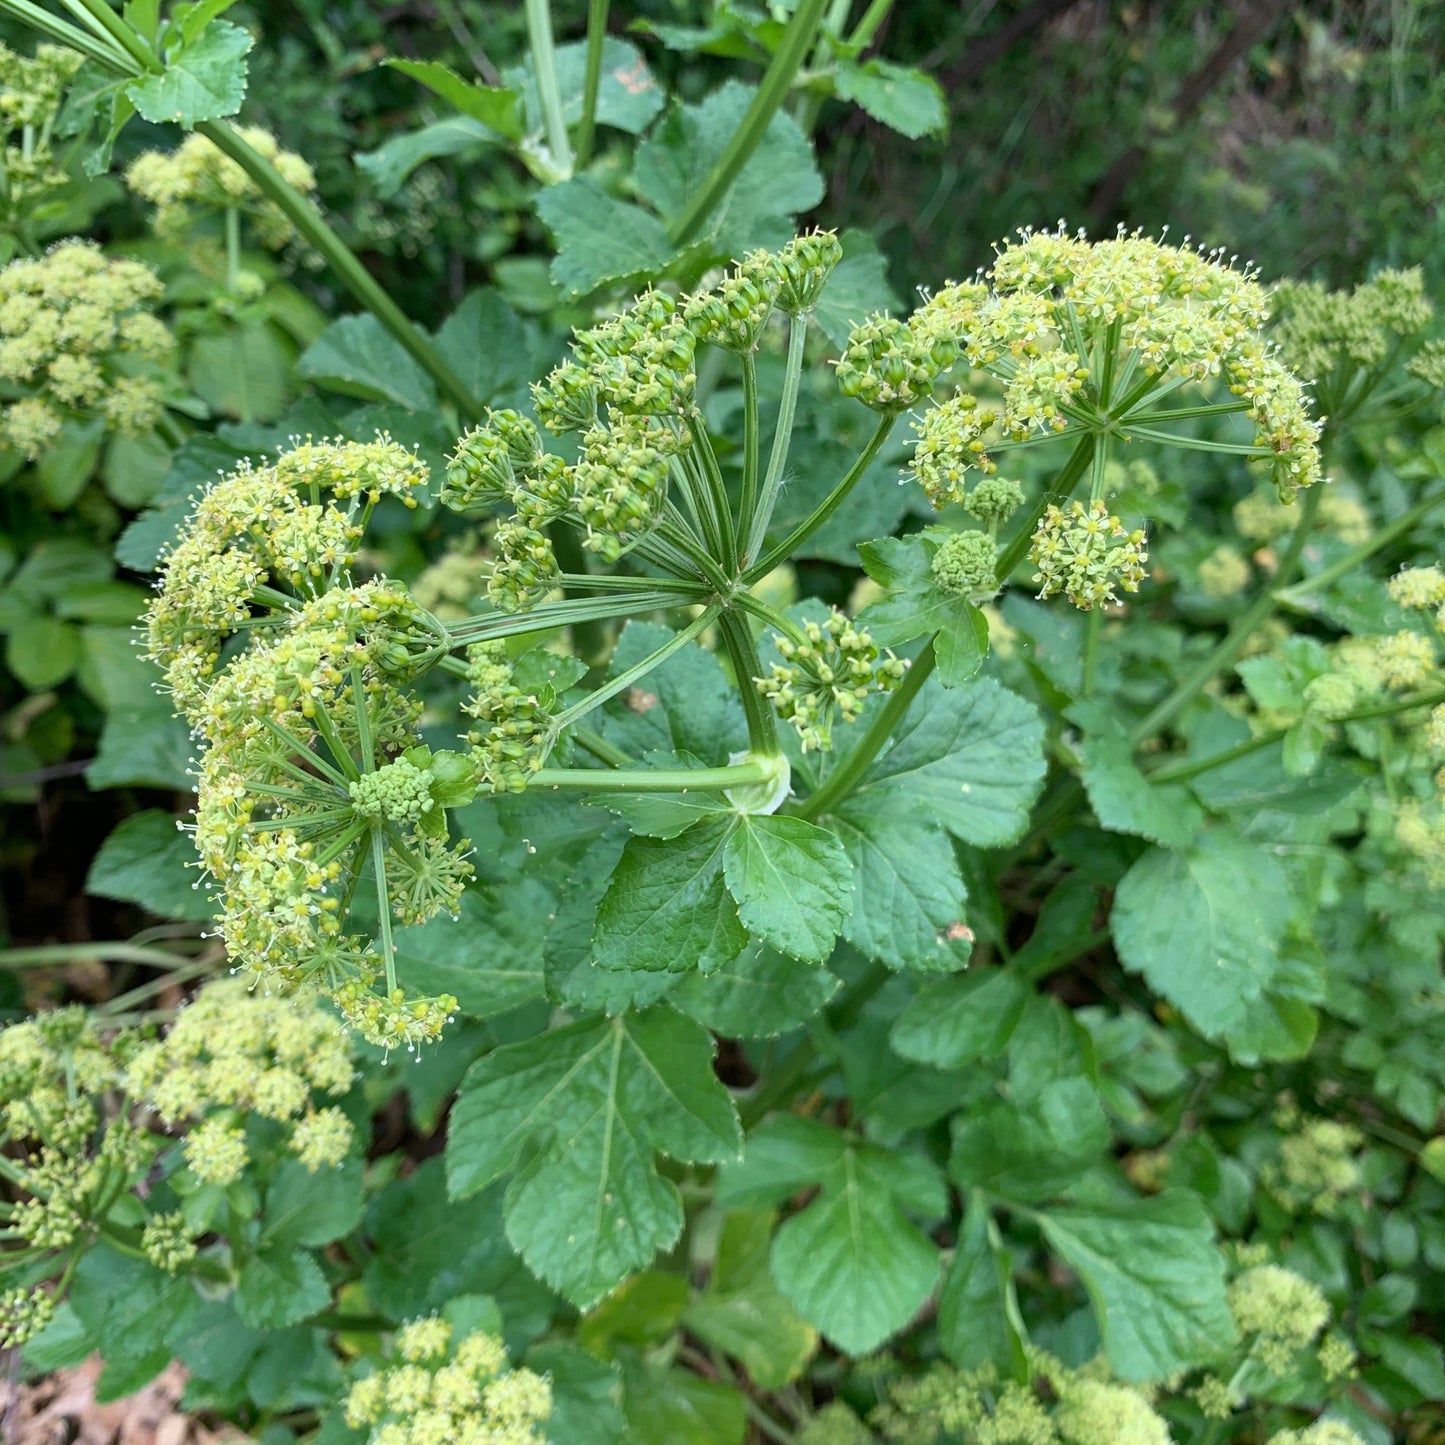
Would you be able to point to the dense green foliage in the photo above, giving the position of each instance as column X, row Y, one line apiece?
column 798, row 868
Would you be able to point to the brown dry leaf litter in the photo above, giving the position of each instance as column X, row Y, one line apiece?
column 61, row 1410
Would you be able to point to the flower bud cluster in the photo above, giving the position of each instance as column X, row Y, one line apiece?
column 296, row 523
column 196, row 178
column 1320, row 331
column 964, row 566
column 1058, row 314
column 732, row 315
column 890, row 365
column 441, row 1391
column 514, row 737
column 232, row 1052
column 826, row 676
column 30, row 93
column 803, row 267
column 77, row 334
column 1085, row 552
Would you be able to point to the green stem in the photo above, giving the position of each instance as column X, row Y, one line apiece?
column 383, row 906
column 1352, row 559
column 549, row 91
column 1236, row 639
column 625, row 679
column 591, row 81
column 356, row 278
column 826, row 507
column 657, row 780
column 107, row 25
column 121, row 1002
column 802, row 27
column 46, row 955
column 748, row 504
column 63, row 33
column 547, row 615
column 717, row 489
column 846, row 775
column 600, row 748
column 756, row 523
column 743, row 653
column 233, row 249
column 1056, row 494
column 867, row 27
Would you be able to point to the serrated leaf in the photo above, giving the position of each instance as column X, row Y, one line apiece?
column 206, row 81
column 1203, row 927
column 487, row 957
column 495, row 107
column 978, row 1314
column 144, row 861
column 589, row 1105
column 487, row 345
column 1155, row 1277
column 1126, row 801
column 852, row 1262
column 600, row 239
column 970, row 759
column 586, row 1396
column 951, row 1022
column 667, row 907
column 130, row 1308
column 311, row 1207
column 743, row 1314
column 357, row 356
column 908, row 895
column 280, row 1287
column 759, row 995
column 905, row 99
column 145, row 746
column 792, row 882
column 391, row 163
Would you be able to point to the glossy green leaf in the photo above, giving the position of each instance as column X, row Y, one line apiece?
column 792, row 882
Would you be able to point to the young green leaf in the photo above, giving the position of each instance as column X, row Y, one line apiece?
column 904, row 98
column 978, row 1312
column 497, row 108
column 599, row 239
column 206, row 80
column 582, row 1110
column 145, row 861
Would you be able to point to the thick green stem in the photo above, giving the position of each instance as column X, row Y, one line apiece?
column 770, row 95
column 102, row 51
column 1237, row 638
column 754, row 524
column 749, row 502
column 717, row 489
column 825, row 509
column 1057, row 494
column 743, row 653
column 339, row 256
column 549, row 92
column 591, row 81
column 600, row 748
column 847, row 774
column 657, row 780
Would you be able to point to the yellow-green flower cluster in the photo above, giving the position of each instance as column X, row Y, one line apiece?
column 197, row 178
column 1281, row 1312
column 1260, row 517
column 231, row 1053
column 1058, row 1406
column 1223, row 573
column 1085, row 552
column 825, row 676
column 1079, row 334
column 1322, row 1432
column 31, row 88
column 1322, row 332
column 445, row 1392
column 76, row 330
column 514, row 735
column 294, row 524
column 1316, row 1170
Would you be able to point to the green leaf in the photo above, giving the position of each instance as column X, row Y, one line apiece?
column 1155, row 1277
column 851, row 1262
column 130, row 1308
column 243, row 371
column 145, row 746
column 903, row 98
column 487, row 345
column 144, row 861
column 311, row 1207
column 743, row 1314
column 62, row 473
column 671, row 1406
column 970, row 759
column 951, row 1022
column 908, row 896
column 357, row 356
column 1125, row 801
column 64, row 1341
column 391, row 163
column 206, row 81
column 280, row 1287
column 600, row 240
column 642, row 1311
column 779, row 181
column 759, row 995
column 978, row 1313
column 579, row 1113
column 487, row 957
column 43, row 652
column 586, row 1396
column 628, row 96
column 428, row 1249
column 667, row 907
column 791, row 880
column 1026, row 1151
column 496, row 108
column 1203, row 927
column 857, row 288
